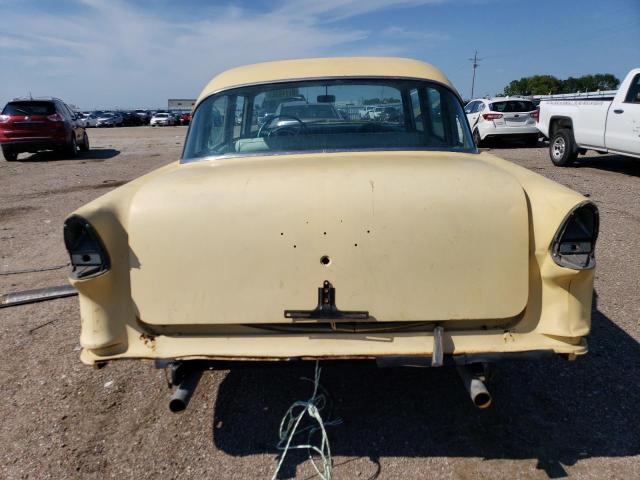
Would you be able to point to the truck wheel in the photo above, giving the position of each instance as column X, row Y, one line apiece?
column 9, row 155
column 562, row 148
column 476, row 138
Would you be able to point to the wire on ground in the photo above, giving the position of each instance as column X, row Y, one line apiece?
column 291, row 421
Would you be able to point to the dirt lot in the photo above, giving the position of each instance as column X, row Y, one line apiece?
column 62, row 419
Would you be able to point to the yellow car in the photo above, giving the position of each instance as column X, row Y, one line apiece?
column 287, row 233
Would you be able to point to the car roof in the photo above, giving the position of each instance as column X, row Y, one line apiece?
column 314, row 68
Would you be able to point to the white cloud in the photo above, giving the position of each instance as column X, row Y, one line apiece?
column 113, row 52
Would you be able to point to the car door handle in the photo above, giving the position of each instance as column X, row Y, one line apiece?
column 618, row 110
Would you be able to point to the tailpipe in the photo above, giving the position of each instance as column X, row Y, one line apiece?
column 474, row 384
column 182, row 395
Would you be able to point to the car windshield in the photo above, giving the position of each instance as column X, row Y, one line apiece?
column 29, row 108
column 162, row 115
column 327, row 115
column 512, row 106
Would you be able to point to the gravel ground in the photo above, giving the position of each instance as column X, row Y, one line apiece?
column 62, row 419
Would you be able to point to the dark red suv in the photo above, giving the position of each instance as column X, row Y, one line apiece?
column 31, row 125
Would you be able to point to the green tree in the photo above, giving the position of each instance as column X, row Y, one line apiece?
column 548, row 84
column 535, row 85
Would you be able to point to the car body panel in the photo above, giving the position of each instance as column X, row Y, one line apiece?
column 556, row 315
column 336, row 67
column 206, row 256
column 413, row 266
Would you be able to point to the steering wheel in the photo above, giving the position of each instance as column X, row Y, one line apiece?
column 284, row 129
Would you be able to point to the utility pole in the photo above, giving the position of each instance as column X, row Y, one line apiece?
column 476, row 62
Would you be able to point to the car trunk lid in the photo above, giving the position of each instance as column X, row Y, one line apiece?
column 403, row 236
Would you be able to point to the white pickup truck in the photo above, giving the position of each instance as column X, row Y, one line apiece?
column 604, row 124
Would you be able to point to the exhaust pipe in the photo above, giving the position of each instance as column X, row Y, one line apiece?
column 182, row 395
column 478, row 392
column 37, row 295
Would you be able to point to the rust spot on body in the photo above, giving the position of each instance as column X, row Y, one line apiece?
column 148, row 340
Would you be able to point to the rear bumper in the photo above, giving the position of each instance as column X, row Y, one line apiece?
column 513, row 132
column 382, row 362
column 32, row 144
column 461, row 346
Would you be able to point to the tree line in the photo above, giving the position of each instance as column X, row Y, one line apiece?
column 548, row 84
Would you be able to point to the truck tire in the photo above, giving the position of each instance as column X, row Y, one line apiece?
column 562, row 148
column 9, row 155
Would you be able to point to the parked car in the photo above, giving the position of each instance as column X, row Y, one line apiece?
column 109, row 119
column 606, row 125
column 131, row 119
column 31, row 125
column 185, row 118
column 364, row 112
column 509, row 118
column 90, row 119
column 162, row 119
column 335, row 240
column 375, row 113
column 391, row 114
column 145, row 116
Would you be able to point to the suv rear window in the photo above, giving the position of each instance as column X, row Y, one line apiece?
column 29, row 108
column 513, row 106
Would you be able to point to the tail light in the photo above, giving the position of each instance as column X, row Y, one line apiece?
column 4, row 118
column 491, row 116
column 575, row 243
column 535, row 115
column 54, row 118
column 88, row 255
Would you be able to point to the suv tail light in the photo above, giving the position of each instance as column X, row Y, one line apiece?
column 574, row 244
column 491, row 116
column 535, row 115
column 54, row 118
column 88, row 255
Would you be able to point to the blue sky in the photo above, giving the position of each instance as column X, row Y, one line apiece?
column 116, row 53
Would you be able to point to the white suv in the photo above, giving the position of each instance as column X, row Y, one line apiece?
column 506, row 117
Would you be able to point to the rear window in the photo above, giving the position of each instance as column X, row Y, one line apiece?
column 513, row 106
column 29, row 108
column 422, row 115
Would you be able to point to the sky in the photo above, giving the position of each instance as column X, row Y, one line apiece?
column 137, row 54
